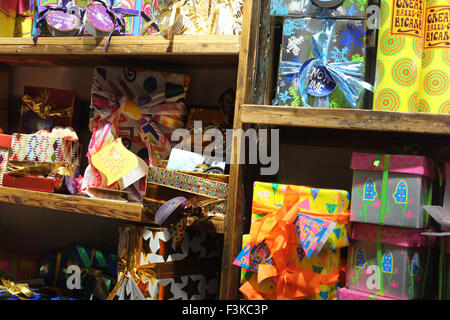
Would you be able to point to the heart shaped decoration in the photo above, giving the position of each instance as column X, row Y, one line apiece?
column 63, row 21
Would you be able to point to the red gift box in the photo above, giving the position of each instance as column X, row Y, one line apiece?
column 29, row 182
column 20, row 268
column 5, row 144
column 60, row 104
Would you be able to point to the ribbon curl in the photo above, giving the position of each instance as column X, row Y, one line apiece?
column 40, row 106
column 347, row 74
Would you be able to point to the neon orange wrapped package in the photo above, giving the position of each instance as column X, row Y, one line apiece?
column 288, row 253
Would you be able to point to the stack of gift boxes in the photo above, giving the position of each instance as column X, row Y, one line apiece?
column 388, row 256
column 294, row 247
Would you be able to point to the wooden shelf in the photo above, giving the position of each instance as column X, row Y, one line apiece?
column 131, row 212
column 64, row 50
column 351, row 119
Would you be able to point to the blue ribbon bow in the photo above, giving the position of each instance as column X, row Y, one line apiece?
column 347, row 74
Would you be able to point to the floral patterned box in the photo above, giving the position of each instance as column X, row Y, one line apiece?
column 402, row 261
column 347, row 44
column 350, row 9
column 408, row 185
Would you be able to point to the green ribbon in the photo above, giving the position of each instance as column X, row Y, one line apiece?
column 441, row 269
column 383, row 200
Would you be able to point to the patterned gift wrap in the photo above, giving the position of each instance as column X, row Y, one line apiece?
column 137, row 105
column 33, row 147
column 349, row 294
column 348, row 9
column 409, row 181
column 326, row 263
column 7, row 18
column 54, row 264
column 5, row 143
column 434, row 76
column 164, row 184
column 402, row 264
column 158, row 269
column 270, row 196
column 399, row 56
column 348, row 44
column 60, row 112
column 274, row 251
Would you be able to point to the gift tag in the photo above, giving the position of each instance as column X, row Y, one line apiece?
column 313, row 232
column 60, row 23
column 134, row 175
column 114, row 161
column 321, row 83
column 98, row 22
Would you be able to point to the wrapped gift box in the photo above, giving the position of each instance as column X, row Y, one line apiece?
column 349, row 294
column 153, row 106
column 409, row 180
column 19, row 267
column 45, row 108
column 8, row 11
column 402, row 265
column 5, row 145
column 158, row 269
column 164, row 184
column 296, row 218
column 40, row 148
column 326, row 263
column 347, row 9
column 267, row 197
column 347, row 44
column 98, row 270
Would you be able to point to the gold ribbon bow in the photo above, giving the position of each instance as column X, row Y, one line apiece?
column 61, row 168
column 16, row 289
column 40, row 106
column 129, row 266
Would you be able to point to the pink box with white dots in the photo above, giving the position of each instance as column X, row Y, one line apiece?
column 409, row 178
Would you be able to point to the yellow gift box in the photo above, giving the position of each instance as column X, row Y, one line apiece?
column 399, row 56
column 7, row 22
column 23, row 27
column 323, row 201
column 434, row 78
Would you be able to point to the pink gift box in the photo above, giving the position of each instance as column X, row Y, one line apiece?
column 349, row 294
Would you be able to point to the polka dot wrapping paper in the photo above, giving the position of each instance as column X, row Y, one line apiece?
column 434, row 78
column 399, row 56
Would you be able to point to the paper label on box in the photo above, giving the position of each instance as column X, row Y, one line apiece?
column 114, row 161
column 313, row 232
column 437, row 29
column 407, row 18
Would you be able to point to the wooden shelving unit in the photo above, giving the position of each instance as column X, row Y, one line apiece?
column 253, row 109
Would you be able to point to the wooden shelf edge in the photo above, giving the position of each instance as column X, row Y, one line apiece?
column 131, row 212
column 69, row 203
column 351, row 119
column 123, row 45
